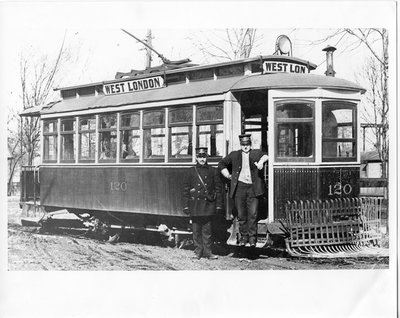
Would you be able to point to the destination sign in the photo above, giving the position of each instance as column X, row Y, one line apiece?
column 284, row 67
column 133, row 86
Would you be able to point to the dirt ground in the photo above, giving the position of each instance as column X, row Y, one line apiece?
column 67, row 250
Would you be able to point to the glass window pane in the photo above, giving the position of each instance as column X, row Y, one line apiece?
column 130, row 144
column 108, row 145
column 292, row 110
column 154, row 141
column 68, row 125
column 295, row 140
column 50, row 126
column 201, row 74
column 338, row 149
column 50, row 147
column 182, row 115
column 130, row 120
column 67, row 147
column 87, row 123
column 108, row 121
column 230, row 70
column 209, row 113
column 154, row 118
column 181, row 142
column 211, row 136
column 337, row 123
column 87, row 145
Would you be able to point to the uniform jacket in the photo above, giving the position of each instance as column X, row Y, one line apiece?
column 233, row 162
column 194, row 196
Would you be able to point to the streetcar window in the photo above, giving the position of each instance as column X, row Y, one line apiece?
column 108, row 138
column 154, row 135
column 50, row 141
column 256, row 67
column 180, row 122
column 130, row 136
column 50, row 126
column 87, row 138
column 253, row 125
column 176, row 78
column 201, row 74
column 84, row 91
column 230, row 70
column 338, row 131
column 294, row 131
column 68, row 140
column 210, row 129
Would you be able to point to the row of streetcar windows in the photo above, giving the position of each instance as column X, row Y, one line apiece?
column 143, row 133
column 149, row 133
column 295, row 131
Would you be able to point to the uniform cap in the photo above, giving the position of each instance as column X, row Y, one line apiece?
column 202, row 151
column 245, row 139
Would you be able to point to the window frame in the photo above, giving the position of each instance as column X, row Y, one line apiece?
column 306, row 120
column 86, row 131
column 129, row 128
column 145, row 127
column 101, row 130
column 47, row 134
column 64, row 133
column 215, row 122
column 353, row 107
column 188, row 124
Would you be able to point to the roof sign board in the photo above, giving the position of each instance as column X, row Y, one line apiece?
column 133, row 86
column 284, row 67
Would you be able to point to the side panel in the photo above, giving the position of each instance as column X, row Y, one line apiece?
column 293, row 184
column 148, row 190
column 320, row 183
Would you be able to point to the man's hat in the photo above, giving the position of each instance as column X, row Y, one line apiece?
column 202, row 151
column 245, row 139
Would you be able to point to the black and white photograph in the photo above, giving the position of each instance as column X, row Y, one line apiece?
column 187, row 159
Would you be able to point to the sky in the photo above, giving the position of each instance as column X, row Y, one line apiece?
column 98, row 53
column 94, row 36
column 99, row 48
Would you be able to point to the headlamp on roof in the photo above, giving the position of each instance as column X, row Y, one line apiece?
column 283, row 45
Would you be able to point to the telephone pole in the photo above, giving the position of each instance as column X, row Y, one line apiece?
column 148, row 50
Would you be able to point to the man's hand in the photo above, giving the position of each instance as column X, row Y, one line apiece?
column 226, row 174
column 259, row 165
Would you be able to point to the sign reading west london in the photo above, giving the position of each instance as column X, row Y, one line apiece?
column 133, row 86
column 284, row 67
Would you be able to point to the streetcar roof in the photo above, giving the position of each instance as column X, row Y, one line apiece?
column 171, row 92
column 203, row 88
column 293, row 80
column 161, row 69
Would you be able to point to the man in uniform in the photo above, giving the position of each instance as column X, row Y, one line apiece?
column 246, row 186
column 202, row 196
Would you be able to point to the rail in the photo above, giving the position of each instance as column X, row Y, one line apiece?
column 30, row 184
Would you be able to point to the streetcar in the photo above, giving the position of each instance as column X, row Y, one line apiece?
column 117, row 150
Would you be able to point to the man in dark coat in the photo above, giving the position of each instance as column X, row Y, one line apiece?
column 202, row 196
column 246, row 185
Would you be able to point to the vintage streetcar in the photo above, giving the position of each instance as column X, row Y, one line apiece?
column 117, row 150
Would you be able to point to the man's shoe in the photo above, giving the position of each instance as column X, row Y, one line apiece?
column 212, row 256
column 253, row 243
column 196, row 256
column 243, row 241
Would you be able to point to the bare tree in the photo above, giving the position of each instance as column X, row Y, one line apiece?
column 228, row 44
column 38, row 77
column 376, row 75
